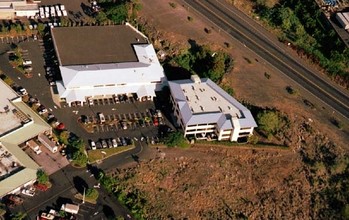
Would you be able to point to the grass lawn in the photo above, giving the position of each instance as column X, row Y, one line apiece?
column 79, row 196
column 95, row 155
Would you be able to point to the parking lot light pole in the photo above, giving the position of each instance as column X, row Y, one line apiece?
column 83, row 197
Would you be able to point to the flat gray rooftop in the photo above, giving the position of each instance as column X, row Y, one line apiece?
column 8, row 113
column 96, row 44
column 202, row 98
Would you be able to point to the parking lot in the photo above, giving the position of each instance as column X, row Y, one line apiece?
column 119, row 113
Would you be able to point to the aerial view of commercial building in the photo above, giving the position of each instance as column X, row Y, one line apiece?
column 205, row 111
column 19, row 124
column 110, row 60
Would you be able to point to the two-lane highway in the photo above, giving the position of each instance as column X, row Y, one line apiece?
column 236, row 25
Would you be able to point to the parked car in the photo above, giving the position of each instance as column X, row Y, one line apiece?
column 101, row 117
column 114, row 142
column 28, row 192
column 123, row 141
column 118, row 140
column 27, row 68
column 104, row 144
column 98, row 145
column 116, row 99
column 90, row 101
column 123, row 125
column 110, row 144
column 155, row 121
column 22, row 91
column 41, row 187
column 27, row 62
column 42, row 110
column 93, row 145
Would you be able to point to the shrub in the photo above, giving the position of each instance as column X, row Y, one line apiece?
column 207, row 30
column 267, row 75
column 291, row 90
column 270, row 122
column 92, row 194
column 176, row 139
column 42, row 177
column 172, row 4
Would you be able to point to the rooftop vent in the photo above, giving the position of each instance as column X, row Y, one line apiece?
column 195, row 78
column 187, row 98
column 193, row 87
column 184, row 91
column 202, row 108
column 220, row 109
column 197, row 97
column 229, row 107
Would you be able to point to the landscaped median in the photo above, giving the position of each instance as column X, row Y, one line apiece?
column 101, row 154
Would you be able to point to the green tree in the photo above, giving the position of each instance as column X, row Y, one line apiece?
column 92, row 194
column 117, row 13
column 176, row 139
column 4, row 29
column 80, row 158
column 101, row 17
column 42, row 177
column 184, row 61
column 41, row 29
column 63, row 137
column 269, row 122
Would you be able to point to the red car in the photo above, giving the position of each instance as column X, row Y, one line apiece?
column 155, row 121
column 41, row 187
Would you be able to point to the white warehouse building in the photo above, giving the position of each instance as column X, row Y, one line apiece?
column 205, row 111
column 103, row 61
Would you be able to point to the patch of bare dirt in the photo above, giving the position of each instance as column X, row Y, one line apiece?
column 223, row 183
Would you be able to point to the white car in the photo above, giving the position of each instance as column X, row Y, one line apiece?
column 101, row 117
column 28, row 192
column 114, row 142
column 27, row 62
column 93, row 145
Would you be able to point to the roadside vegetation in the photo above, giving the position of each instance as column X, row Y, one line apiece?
column 306, row 28
column 91, row 196
column 201, row 60
column 117, row 12
column 15, row 29
column 100, row 154
column 176, row 139
column 130, row 197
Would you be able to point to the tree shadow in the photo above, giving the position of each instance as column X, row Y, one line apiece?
column 60, row 201
column 95, row 171
column 80, row 184
column 108, row 212
column 175, row 72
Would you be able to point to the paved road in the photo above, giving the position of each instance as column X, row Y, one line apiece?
column 67, row 181
column 242, row 28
